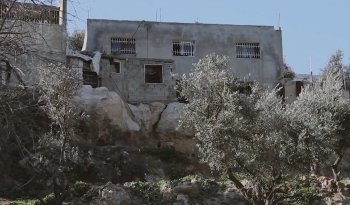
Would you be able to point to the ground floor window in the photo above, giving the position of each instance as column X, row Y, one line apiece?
column 153, row 73
column 117, row 66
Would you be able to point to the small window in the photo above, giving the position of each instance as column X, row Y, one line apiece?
column 247, row 50
column 117, row 67
column 183, row 48
column 153, row 73
column 123, row 46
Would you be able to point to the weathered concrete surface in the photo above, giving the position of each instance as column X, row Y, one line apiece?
column 154, row 45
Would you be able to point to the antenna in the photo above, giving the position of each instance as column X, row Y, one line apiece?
column 310, row 68
column 156, row 14
column 160, row 14
column 279, row 21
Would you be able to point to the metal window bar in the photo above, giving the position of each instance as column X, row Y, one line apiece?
column 248, row 50
column 35, row 13
column 123, row 46
column 183, row 48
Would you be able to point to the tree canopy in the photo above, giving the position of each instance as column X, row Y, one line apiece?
column 251, row 132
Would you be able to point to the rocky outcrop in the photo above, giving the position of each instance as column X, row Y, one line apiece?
column 169, row 120
column 147, row 115
column 114, row 195
column 155, row 121
column 108, row 105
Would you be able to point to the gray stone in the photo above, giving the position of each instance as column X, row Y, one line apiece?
column 114, row 195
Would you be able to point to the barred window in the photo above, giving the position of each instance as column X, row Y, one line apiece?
column 247, row 50
column 123, row 46
column 183, row 48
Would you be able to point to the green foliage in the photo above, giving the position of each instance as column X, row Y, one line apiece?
column 50, row 199
column 76, row 40
column 301, row 193
column 26, row 202
column 254, row 133
column 79, row 188
column 207, row 186
column 287, row 72
column 149, row 192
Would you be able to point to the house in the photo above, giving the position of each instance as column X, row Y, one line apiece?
column 37, row 36
column 139, row 57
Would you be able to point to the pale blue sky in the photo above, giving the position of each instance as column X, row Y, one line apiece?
column 315, row 28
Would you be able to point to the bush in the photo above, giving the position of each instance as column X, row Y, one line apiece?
column 79, row 189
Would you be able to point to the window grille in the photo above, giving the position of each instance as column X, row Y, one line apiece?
column 183, row 48
column 247, row 50
column 123, row 46
column 34, row 13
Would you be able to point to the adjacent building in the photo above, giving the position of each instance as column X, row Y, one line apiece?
column 139, row 57
column 39, row 38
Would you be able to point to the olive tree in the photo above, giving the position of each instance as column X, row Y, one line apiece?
column 76, row 40
column 242, row 129
column 58, row 85
column 321, row 115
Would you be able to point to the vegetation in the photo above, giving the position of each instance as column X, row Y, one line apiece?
column 255, row 134
column 76, row 40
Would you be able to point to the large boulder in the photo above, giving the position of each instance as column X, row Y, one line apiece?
column 147, row 115
column 112, row 194
column 169, row 120
column 108, row 104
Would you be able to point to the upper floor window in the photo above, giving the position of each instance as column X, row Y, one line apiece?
column 123, row 46
column 183, row 48
column 247, row 50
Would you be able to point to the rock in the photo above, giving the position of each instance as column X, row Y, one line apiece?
column 189, row 189
column 169, row 120
column 337, row 199
column 146, row 115
column 183, row 198
column 327, row 184
column 108, row 104
column 114, row 195
column 232, row 196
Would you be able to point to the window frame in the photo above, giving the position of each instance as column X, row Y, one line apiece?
column 248, row 48
column 114, row 63
column 153, row 64
column 181, row 43
column 121, row 41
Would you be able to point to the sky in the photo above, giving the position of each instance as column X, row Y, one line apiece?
column 311, row 29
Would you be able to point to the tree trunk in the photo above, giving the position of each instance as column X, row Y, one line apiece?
column 336, row 173
column 251, row 200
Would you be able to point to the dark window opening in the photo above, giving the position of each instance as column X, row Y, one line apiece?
column 183, row 48
column 86, row 65
column 91, row 78
column 117, row 67
column 153, row 73
column 123, row 46
column 247, row 50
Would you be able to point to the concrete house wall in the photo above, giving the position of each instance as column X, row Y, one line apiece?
column 47, row 42
column 153, row 40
